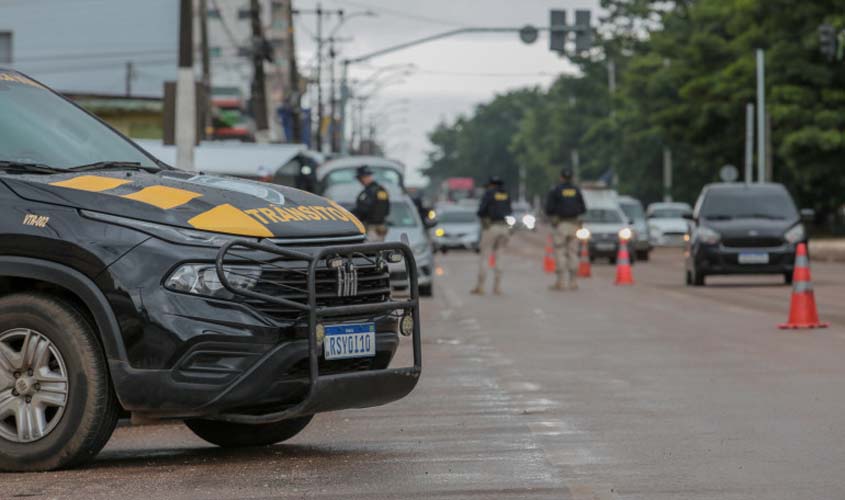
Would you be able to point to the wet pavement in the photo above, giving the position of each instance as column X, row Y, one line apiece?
column 655, row 391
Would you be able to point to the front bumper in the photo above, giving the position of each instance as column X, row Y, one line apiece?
column 667, row 239
column 719, row 259
column 272, row 373
column 468, row 241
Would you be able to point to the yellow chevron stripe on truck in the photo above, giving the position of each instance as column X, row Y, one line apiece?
column 92, row 183
column 230, row 220
column 163, row 197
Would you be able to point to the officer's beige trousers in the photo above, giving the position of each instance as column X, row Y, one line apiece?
column 566, row 252
column 492, row 239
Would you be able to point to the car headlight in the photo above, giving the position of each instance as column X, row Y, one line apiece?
column 708, row 236
column 172, row 234
column 440, row 232
column 202, row 279
column 626, row 234
column 529, row 221
column 510, row 219
column 795, row 234
column 582, row 233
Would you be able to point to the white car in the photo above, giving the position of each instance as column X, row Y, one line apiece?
column 668, row 223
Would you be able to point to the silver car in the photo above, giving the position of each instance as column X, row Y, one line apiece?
column 457, row 228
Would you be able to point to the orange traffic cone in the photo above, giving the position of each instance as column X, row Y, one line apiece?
column 584, row 269
column 802, row 309
column 623, row 265
column 549, row 259
column 491, row 262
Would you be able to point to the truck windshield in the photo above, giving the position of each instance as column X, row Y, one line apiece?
column 37, row 126
column 633, row 210
column 597, row 215
column 748, row 204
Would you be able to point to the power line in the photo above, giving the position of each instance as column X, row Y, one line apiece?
column 402, row 14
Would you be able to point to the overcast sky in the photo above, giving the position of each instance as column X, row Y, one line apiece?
column 64, row 43
column 453, row 74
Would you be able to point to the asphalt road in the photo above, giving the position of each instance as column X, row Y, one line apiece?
column 654, row 391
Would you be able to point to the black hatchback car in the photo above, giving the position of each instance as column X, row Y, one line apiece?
column 743, row 229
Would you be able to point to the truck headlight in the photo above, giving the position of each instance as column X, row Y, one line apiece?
column 439, row 232
column 626, row 234
column 708, row 236
column 510, row 219
column 583, row 234
column 202, row 279
column 795, row 234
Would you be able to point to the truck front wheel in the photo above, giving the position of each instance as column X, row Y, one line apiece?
column 231, row 435
column 57, row 407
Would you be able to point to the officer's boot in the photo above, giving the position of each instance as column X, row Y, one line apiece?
column 559, row 283
column 479, row 288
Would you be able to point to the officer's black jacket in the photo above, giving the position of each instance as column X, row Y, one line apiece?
column 565, row 201
column 495, row 205
column 373, row 204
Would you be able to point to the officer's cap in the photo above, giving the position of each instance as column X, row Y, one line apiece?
column 496, row 181
column 566, row 172
column 363, row 171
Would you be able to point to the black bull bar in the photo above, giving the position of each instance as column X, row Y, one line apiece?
column 339, row 391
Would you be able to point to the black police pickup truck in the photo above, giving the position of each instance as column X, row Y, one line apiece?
column 240, row 307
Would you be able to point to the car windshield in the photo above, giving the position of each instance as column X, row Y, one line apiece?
column 403, row 215
column 669, row 213
column 458, row 217
column 384, row 176
column 37, row 126
column 748, row 204
column 633, row 210
column 602, row 215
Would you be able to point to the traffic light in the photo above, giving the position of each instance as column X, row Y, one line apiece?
column 557, row 31
column 583, row 31
column 827, row 41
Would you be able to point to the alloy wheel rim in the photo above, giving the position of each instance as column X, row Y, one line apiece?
column 33, row 385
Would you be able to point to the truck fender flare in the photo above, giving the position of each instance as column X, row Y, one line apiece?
column 78, row 284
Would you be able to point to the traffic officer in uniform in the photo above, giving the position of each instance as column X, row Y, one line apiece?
column 564, row 206
column 495, row 205
column 372, row 206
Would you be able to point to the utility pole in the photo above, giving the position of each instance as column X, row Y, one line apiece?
column 130, row 75
column 185, row 90
column 206, row 68
column 295, row 99
column 332, row 100
column 259, row 87
column 761, row 116
column 320, row 13
column 667, row 174
column 576, row 164
column 749, row 143
column 770, row 164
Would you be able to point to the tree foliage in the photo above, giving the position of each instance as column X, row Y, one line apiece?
column 685, row 72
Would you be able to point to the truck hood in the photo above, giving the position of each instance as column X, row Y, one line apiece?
column 744, row 228
column 194, row 201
